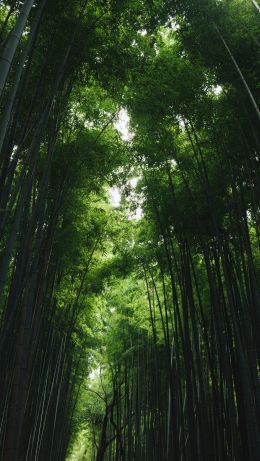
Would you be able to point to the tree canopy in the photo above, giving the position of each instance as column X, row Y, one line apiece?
column 129, row 223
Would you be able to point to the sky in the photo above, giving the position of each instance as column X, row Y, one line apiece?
column 122, row 126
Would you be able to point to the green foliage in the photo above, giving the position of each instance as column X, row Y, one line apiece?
column 153, row 319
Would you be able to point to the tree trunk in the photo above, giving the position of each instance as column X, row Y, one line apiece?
column 12, row 43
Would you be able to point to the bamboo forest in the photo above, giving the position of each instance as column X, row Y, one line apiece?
column 129, row 224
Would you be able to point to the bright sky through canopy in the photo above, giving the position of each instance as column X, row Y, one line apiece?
column 122, row 125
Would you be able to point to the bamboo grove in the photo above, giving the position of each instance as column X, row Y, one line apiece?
column 129, row 332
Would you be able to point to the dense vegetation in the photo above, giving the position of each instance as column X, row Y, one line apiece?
column 129, row 332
